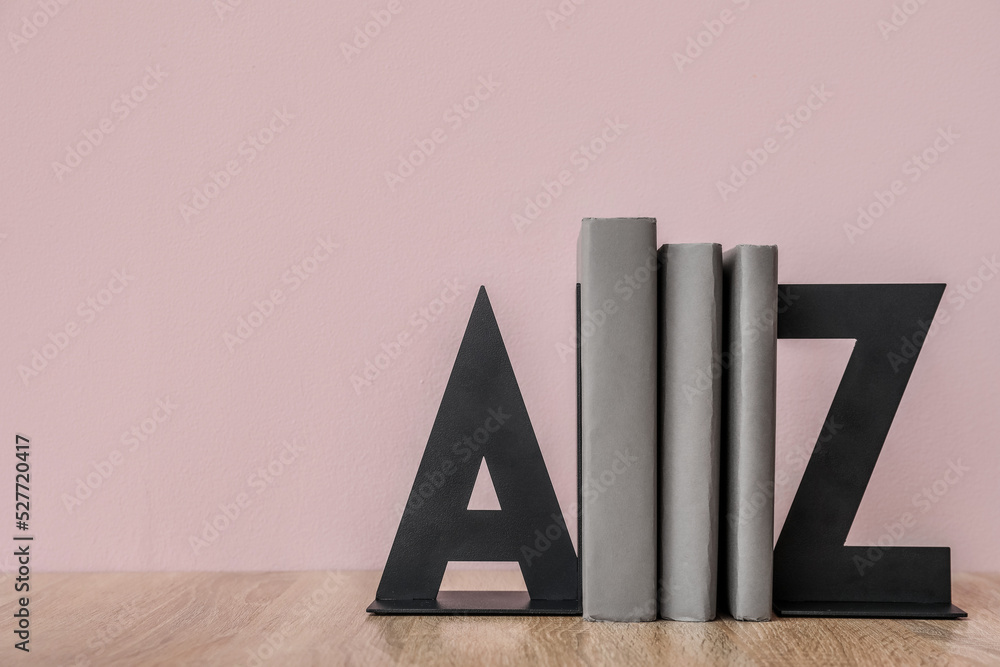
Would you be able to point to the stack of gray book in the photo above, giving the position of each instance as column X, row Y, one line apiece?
column 677, row 382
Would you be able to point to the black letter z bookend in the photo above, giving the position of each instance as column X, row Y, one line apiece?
column 482, row 416
column 815, row 574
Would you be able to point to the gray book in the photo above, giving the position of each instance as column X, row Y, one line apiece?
column 690, row 427
column 751, row 294
column 618, row 292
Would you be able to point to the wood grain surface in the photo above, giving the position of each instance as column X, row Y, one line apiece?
column 318, row 618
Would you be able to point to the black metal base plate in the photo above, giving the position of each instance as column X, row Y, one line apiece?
column 479, row 603
column 869, row 609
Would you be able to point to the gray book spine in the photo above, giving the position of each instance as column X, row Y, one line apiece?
column 690, row 427
column 618, row 293
column 751, row 293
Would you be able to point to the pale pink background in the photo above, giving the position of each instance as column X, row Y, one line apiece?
column 333, row 505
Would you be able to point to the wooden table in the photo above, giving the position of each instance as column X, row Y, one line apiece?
column 318, row 618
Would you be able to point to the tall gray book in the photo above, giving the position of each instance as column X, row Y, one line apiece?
column 617, row 267
column 690, row 427
column 751, row 294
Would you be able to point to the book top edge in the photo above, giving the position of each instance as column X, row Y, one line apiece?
column 752, row 253
column 691, row 245
column 647, row 221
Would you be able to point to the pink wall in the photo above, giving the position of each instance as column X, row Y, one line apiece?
column 198, row 86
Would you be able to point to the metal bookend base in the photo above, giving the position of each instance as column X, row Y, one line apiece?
column 869, row 609
column 479, row 603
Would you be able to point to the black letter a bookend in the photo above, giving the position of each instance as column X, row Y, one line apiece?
column 482, row 416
